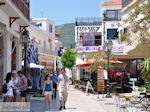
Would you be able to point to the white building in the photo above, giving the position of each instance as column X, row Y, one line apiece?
column 14, row 17
column 91, row 38
column 111, row 14
column 58, row 47
column 137, row 47
column 42, row 33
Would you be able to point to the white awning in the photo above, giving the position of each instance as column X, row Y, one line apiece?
column 32, row 65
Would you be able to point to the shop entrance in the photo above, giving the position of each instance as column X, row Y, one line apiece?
column 13, row 56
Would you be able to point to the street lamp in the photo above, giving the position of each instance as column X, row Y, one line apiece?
column 83, row 58
column 107, row 48
column 104, row 18
column 25, row 41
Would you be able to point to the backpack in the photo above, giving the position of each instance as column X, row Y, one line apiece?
column 4, row 88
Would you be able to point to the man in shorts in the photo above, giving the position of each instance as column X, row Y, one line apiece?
column 62, row 88
column 23, row 86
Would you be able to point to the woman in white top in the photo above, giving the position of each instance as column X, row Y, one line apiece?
column 16, row 83
column 9, row 94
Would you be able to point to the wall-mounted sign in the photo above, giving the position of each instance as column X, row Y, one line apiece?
column 112, row 24
column 88, row 48
column 88, row 29
column 116, row 49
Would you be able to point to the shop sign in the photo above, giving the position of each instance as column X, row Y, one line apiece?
column 116, row 49
column 88, row 48
column 133, row 79
column 112, row 24
column 88, row 28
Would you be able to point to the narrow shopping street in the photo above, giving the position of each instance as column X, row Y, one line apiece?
column 94, row 55
column 77, row 102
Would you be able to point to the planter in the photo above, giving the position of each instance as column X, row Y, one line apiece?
column 39, row 98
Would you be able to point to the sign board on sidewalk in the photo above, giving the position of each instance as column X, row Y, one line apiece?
column 100, row 80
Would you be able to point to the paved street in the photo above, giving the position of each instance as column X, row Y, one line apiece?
column 77, row 102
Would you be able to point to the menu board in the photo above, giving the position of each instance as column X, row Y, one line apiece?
column 100, row 80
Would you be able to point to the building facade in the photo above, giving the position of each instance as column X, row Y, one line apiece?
column 91, row 38
column 14, row 17
column 42, row 33
column 59, row 51
column 88, row 38
column 135, row 49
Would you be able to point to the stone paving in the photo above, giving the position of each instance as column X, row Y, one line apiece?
column 77, row 102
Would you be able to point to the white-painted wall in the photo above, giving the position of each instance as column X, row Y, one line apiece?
column 6, row 11
column 45, row 26
column 42, row 36
column 114, row 7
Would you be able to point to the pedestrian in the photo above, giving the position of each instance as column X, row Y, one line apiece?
column 8, row 85
column 23, row 86
column 69, row 83
column 62, row 88
column 47, row 91
column 16, row 84
column 54, row 81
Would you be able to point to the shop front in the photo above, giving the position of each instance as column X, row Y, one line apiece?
column 47, row 61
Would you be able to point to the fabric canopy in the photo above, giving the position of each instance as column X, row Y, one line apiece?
column 83, row 65
column 92, row 61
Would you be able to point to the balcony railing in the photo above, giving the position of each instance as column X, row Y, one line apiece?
column 45, row 51
column 89, row 42
column 23, row 6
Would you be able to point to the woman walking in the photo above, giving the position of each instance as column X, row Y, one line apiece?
column 16, row 84
column 47, row 90
column 9, row 82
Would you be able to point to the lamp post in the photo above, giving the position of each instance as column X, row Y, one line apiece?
column 104, row 18
column 83, row 58
column 107, row 48
column 25, row 41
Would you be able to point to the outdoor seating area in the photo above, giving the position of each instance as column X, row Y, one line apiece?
column 137, row 101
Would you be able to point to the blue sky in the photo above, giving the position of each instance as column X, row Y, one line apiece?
column 64, row 11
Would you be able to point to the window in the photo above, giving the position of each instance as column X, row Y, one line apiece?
column 112, row 33
column 50, row 28
column 119, row 15
column 125, row 3
column 90, row 39
column 113, row 15
column 98, row 40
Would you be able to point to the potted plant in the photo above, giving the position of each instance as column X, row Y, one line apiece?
column 145, row 70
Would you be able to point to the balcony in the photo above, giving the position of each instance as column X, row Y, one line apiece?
column 113, row 15
column 23, row 6
column 45, row 51
column 89, row 42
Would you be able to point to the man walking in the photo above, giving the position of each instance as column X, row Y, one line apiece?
column 23, row 86
column 62, row 88
column 54, row 81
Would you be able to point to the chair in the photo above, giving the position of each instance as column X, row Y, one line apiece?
column 121, row 103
